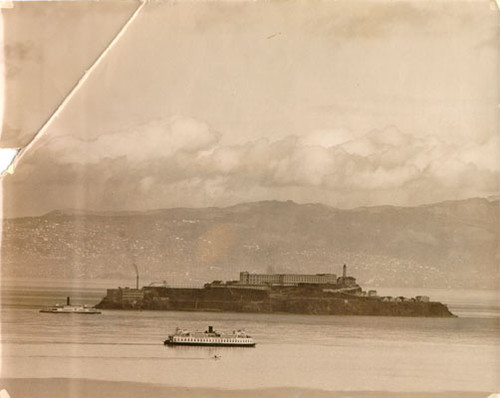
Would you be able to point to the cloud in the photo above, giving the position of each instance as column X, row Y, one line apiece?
column 185, row 149
column 144, row 143
column 326, row 138
column 182, row 162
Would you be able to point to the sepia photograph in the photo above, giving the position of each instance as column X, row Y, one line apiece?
column 232, row 198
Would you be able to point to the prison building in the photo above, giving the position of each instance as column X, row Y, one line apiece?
column 247, row 278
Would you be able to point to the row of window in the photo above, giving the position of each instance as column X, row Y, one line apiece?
column 187, row 339
column 305, row 279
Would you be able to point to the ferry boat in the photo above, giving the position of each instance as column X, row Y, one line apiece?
column 210, row 338
column 70, row 309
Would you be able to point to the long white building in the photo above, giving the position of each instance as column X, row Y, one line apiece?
column 286, row 279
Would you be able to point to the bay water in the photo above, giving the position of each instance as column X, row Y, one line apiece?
column 335, row 353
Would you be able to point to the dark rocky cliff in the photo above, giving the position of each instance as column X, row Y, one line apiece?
column 294, row 300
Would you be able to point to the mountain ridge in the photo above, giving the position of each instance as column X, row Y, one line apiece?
column 447, row 244
column 76, row 211
column 83, row 212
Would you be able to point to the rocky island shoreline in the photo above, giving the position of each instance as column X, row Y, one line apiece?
column 320, row 294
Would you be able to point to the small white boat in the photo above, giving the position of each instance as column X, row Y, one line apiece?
column 70, row 309
column 210, row 338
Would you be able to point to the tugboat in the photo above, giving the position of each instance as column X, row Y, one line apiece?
column 70, row 309
column 210, row 338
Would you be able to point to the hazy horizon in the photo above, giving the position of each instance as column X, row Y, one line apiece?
column 104, row 211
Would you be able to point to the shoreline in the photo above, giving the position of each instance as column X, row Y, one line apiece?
column 75, row 387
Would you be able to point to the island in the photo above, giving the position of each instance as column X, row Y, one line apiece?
column 315, row 294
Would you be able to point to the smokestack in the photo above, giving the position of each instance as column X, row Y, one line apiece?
column 136, row 275
column 344, row 271
column 67, row 301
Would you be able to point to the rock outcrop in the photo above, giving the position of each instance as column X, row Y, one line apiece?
column 296, row 300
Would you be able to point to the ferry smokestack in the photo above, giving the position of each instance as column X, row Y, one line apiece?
column 67, row 301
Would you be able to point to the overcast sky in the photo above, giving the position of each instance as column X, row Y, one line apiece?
column 210, row 104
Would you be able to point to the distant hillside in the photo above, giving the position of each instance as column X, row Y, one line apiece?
column 450, row 244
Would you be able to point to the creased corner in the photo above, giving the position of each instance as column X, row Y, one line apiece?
column 20, row 152
column 7, row 157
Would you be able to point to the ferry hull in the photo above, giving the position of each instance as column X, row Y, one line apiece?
column 71, row 312
column 70, row 309
column 199, row 344
column 209, row 338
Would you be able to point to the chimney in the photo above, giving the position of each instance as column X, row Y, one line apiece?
column 67, row 301
column 137, row 281
column 344, row 271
